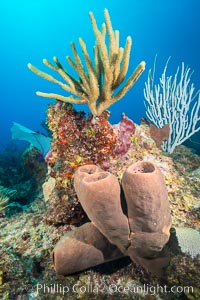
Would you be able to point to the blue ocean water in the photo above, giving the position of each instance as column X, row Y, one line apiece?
column 31, row 30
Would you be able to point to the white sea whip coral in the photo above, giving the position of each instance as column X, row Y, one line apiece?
column 172, row 101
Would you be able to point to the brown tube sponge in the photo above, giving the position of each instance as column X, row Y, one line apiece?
column 148, row 208
column 81, row 249
column 99, row 195
column 111, row 235
column 84, row 171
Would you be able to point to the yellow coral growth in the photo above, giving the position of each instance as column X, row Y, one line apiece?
column 3, row 203
column 96, row 85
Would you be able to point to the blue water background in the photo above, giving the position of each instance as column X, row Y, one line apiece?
column 31, row 30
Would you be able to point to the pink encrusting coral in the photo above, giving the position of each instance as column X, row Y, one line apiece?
column 125, row 129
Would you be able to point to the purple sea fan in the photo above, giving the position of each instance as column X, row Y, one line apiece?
column 124, row 131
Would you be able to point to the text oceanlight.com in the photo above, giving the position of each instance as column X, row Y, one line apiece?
column 129, row 288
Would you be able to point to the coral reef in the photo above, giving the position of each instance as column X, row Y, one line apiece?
column 26, row 251
column 119, row 154
column 76, row 141
column 96, row 85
